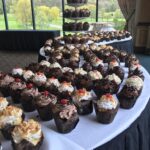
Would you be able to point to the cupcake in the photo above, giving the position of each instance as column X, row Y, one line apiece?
column 10, row 117
column 28, row 75
column 87, row 67
column 52, row 85
column 33, row 67
column 3, row 103
column 17, row 72
column 103, row 86
column 65, row 116
column 130, row 92
column 39, row 80
column 106, row 108
column 96, row 62
column 44, row 103
column 27, row 135
column 123, row 55
column 16, row 88
column 95, row 75
column 83, row 101
column 115, row 68
column 4, row 85
column 28, row 96
column 86, row 26
column 44, row 65
column 65, row 90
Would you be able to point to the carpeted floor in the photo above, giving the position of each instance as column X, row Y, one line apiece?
column 11, row 59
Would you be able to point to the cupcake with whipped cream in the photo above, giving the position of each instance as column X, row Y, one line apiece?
column 3, row 103
column 95, row 75
column 52, row 85
column 135, row 69
column 17, row 72
column 95, row 62
column 39, row 80
column 28, row 96
column 16, row 88
column 44, row 66
column 106, row 108
column 115, row 68
column 122, row 56
column 10, row 117
column 83, row 101
column 5, row 85
column 27, row 135
column 130, row 92
column 65, row 116
column 44, row 103
column 28, row 75
column 65, row 90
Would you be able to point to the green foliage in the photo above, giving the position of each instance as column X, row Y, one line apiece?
column 23, row 12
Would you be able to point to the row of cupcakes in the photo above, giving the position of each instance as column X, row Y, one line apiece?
column 23, row 134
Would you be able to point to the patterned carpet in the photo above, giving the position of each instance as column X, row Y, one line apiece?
column 10, row 59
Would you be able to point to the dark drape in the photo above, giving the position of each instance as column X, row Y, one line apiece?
column 136, row 137
column 25, row 40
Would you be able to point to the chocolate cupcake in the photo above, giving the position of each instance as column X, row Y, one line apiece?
column 44, row 65
column 17, row 72
column 10, row 117
column 130, row 92
column 28, row 96
column 123, row 55
column 33, row 67
column 27, row 135
column 96, row 62
column 52, row 85
column 16, row 88
column 28, row 75
column 83, row 101
column 44, row 103
column 3, row 103
column 65, row 116
column 86, row 26
column 87, row 67
column 5, row 85
column 106, row 108
column 39, row 80
column 65, row 90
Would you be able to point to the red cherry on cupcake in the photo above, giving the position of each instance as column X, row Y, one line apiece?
column 29, row 86
column 109, row 96
column 46, row 93
column 18, row 80
column 64, row 101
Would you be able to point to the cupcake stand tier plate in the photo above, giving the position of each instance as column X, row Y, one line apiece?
column 90, row 134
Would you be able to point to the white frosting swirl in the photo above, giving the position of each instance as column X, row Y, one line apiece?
column 17, row 71
column 113, row 77
column 52, row 81
column 81, row 94
column 66, row 86
column 39, row 78
column 96, row 62
column 80, row 71
column 135, row 82
column 55, row 65
column 134, row 67
column 45, row 63
column 107, row 102
column 28, row 75
column 113, row 64
column 66, row 69
column 95, row 75
column 3, row 103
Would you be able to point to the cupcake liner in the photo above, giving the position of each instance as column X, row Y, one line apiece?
column 25, row 145
column 66, row 126
column 16, row 95
column 5, row 91
column 106, row 116
column 27, row 103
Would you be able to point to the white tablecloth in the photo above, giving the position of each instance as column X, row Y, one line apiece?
column 90, row 134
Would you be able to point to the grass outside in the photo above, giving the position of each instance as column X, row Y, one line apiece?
column 56, row 24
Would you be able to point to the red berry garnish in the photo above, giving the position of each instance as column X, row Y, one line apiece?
column 109, row 95
column 46, row 93
column 29, row 86
column 64, row 101
column 18, row 80
column 81, row 90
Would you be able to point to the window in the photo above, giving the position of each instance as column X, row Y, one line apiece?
column 48, row 14
column 2, row 22
column 19, row 14
column 109, row 12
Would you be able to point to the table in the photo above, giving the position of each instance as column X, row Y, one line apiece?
column 124, row 44
column 124, row 133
